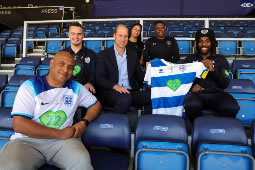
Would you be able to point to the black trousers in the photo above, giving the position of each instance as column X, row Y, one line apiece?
column 121, row 101
column 221, row 102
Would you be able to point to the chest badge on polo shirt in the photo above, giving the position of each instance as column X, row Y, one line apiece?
column 68, row 100
column 53, row 119
column 76, row 70
column 168, row 43
column 87, row 60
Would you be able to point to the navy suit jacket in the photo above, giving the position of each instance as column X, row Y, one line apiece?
column 107, row 73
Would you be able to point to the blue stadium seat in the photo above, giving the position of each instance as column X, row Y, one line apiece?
column 161, row 143
column 234, row 30
column 184, row 45
column 227, row 47
column 10, row 50
column 17, row 80
column 24, row 69
column 8, row 95
column 67, row 44
column 244, row 92
column 94, row 45
column 244, row 69
column 108, row 131
column 248, row 47
column 42, row 69
column 249, row 30
column 109, row 43
column 30, row 60
column 52, row 47
column 221, row 143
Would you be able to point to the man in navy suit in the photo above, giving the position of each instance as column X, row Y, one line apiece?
column 118, row 75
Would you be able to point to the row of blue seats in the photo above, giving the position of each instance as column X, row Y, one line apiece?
column 161, row 142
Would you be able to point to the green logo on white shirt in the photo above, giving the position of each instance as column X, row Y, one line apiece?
column 53, row 119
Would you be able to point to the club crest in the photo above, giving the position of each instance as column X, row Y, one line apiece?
column 87, row 60
column 68, row 100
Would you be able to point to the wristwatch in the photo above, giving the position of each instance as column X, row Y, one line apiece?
column 86, row 122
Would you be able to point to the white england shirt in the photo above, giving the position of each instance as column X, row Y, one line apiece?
column 50, row 106
column 170, row 83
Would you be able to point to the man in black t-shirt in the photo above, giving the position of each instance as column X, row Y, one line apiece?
column 161, row 46
column 85, row 59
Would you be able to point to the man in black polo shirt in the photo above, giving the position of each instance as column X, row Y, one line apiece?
column 85, row 59
column 209, row 93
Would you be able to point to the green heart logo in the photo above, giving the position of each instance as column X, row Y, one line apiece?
column 174, row 84
column 76, row 70
column 53, row 119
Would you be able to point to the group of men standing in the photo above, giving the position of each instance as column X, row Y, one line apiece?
column 45, row 106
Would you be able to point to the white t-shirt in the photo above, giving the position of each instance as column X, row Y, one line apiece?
column 50, row 106
column 170, row 83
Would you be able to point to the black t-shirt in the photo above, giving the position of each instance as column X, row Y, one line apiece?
column 166, row 49
column 136, row 46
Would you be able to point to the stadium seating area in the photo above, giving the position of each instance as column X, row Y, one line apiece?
column 158, row 141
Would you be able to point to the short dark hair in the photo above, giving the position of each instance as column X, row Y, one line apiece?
column 159, row 22
column 76, row 24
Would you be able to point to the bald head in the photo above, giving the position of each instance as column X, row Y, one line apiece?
column 62, row 66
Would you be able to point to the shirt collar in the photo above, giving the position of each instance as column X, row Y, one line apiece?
column 117, row 53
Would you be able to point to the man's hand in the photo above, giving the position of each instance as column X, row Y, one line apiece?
column 66, row 133
column 90, row 87
column 197, row 88
column 120, row 89
column 208, row 64
column 147, row 63
column 79, row 129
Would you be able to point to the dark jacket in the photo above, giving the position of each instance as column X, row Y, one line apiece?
column 88, row 60
column 217, row 80
column 107, row 74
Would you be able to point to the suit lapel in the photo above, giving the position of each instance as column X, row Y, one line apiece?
column 113, row 60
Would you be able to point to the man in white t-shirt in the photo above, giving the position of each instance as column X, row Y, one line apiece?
column 42, row 120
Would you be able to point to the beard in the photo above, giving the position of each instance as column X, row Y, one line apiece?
column 205, row 50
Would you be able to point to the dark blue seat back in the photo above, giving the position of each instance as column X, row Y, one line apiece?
column 240, row 86
column 217, row 130
column 238, row 64
column 161, row 128
column 30, row 60
column 108, row 130
column 17, row 80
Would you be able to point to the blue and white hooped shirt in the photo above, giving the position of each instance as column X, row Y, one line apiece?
column 50, row 106
column 170, row 83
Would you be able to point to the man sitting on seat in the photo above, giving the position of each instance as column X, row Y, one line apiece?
column 118, row 72
column 42, row 120
column 209, row 93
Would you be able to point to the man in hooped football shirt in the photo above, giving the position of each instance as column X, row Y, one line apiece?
column 43, row 120
column 170, row 83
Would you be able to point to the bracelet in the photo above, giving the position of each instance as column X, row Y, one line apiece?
column 86, row 122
